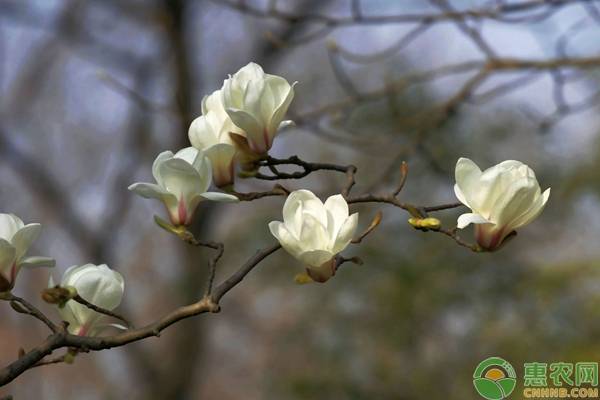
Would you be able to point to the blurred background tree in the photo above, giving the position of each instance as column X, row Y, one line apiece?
column 91, row 91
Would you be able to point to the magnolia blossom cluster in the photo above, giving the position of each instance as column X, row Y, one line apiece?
column 240, row 120
column 237, row 127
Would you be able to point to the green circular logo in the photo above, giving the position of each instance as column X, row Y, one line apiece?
column 494, row 378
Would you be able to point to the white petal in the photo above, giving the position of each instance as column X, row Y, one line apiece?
column 297, row 203
column 286, row 239
column 212, row 102
column 99, row 285
column 470, row 218
column 24, row 238
column 286, row 124
column 517, row 197
column 467, row 175
column 9, row 225
column 314, row 234
column 337, row 211
column 533, row 212
column 165, row 155
column 148, row 190
column 286, row 93
column 181, row 179
column 460, row 195
column 250, row 71
column 221, row 157
column 201, row 132
column 189, row 155
column 344, row 236
column 217, row 196
column 254, row 130
column 37, row 262
column 152, row 191
column 316, row 258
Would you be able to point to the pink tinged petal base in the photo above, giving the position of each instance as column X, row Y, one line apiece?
column 223, row 177
column 180, row 215
column 490, row 237
column 82, row 331
column 260, row 147
column 7, row 283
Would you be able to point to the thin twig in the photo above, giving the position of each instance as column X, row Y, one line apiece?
column 101, row 310
column 29, row 309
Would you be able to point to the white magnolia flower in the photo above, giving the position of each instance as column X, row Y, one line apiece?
column 182, row 181
column 96, row 284
column 502, row 198
column 313, row 232
column 15, row 240
column 257, row 103
column 210, row 133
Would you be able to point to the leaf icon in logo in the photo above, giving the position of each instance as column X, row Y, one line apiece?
column 488, row 389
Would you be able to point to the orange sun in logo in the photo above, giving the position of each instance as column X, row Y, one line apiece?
column 495, row 374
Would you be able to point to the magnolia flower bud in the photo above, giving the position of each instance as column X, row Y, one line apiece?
column 210, row 133
column 257, row 102
column 97, row 284
column 15, row 240
column 313, row 232
column 182, row 181
column 502, row 198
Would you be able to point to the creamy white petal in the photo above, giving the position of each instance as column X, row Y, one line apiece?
column 37, row 262
column 222, row 197
column 533, row 212
column 202, row 134
column 316, row 258
column 345, row 234
column 148, row 190
column 314, row 234
column 286, row 124
column 165, row 155
column 286, row 239
column 470, row 218
column 24, row 238
column 180, row 178
column 286, row 94
column 467, row 175
column 255, row 133
column 337, row 213
column 100, row 286
column 9, row 225
column 222, row 157
column 307, row 202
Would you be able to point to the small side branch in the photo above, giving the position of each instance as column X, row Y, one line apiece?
column 307, row 168
column 22, row 306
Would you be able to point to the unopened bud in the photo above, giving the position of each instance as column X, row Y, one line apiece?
column 59, row 295
column 425, row 224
